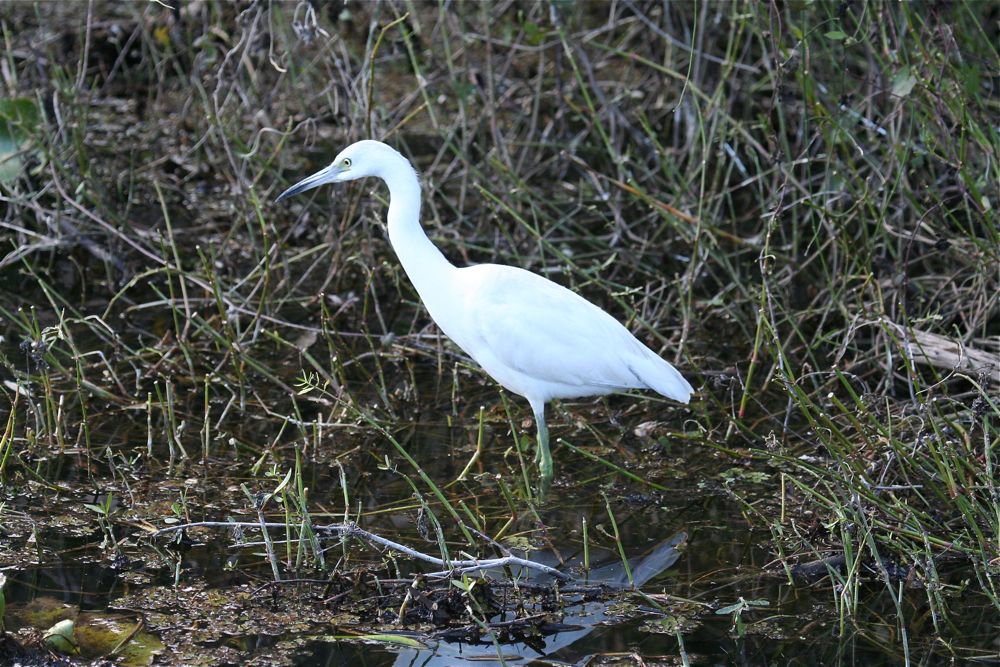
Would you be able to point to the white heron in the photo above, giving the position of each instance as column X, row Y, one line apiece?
column 536, row 338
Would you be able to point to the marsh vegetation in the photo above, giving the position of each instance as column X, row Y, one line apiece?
column 795, row 203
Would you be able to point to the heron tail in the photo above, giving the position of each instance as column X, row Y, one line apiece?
column 663, row 378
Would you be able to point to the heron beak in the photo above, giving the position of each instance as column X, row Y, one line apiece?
column 322, row 176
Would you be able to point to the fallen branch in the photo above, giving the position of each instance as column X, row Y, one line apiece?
column 952, row 354
column 350, row 529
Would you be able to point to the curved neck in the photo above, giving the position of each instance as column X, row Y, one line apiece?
column 423, row 263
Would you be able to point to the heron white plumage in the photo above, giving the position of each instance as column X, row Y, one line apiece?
column 536, row 338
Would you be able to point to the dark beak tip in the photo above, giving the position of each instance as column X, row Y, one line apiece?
column 294, row 190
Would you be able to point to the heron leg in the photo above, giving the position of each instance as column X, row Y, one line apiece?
column 543, row 457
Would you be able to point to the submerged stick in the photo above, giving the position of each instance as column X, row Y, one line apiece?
column 351, row 529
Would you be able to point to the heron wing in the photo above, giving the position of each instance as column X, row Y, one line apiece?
column 549, row 333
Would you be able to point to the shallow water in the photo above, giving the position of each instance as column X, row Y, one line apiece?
column 56, row 550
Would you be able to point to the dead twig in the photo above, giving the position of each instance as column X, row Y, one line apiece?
column 350, row 529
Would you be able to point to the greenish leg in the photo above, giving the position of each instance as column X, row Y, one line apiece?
column 543, row 457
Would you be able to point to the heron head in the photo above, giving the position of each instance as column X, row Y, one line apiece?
column 360, row 159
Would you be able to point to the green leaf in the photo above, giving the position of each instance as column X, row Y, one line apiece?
column 284, row 483
column 836, row 35
column 730, row 608
column 534, row 33
column 19, row 117
column 60, row 638
column 19, row 121
column 903, row 82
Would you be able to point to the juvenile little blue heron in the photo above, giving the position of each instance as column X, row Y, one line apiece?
column 534, row 337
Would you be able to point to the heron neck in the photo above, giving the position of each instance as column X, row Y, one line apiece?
column 423, row 263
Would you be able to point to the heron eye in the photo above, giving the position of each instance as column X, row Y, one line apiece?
column 346, row 162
